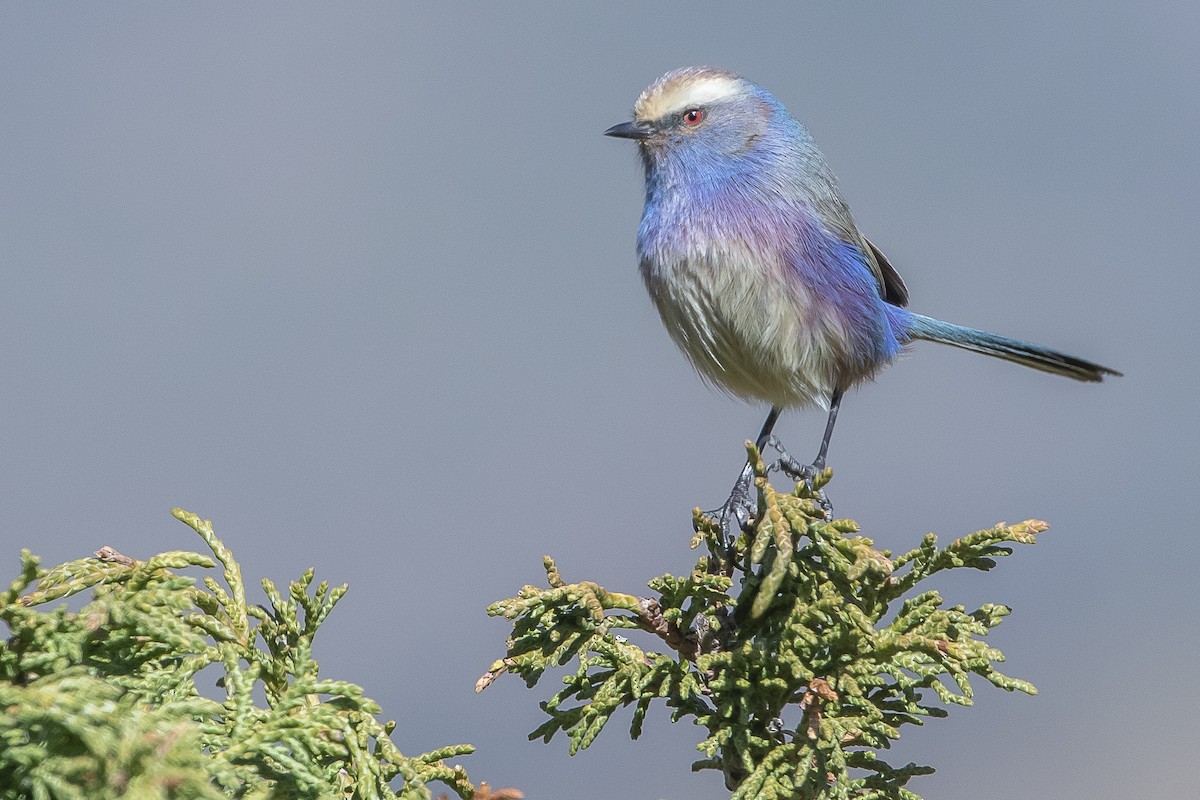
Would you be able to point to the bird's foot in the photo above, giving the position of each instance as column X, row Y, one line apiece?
column 811, row 475
column 736, row 513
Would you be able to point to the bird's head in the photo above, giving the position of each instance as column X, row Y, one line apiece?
column 704, row 116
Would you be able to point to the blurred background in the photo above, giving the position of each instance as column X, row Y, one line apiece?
column 358, row 284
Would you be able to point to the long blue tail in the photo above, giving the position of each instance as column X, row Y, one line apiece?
column 1031, row 355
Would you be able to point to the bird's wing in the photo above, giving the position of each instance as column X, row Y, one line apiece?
column 891, row 285
column 894, row 290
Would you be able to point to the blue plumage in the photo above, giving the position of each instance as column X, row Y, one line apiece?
column 755, row 264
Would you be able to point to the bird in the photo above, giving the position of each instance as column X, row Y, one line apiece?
column 756, row 266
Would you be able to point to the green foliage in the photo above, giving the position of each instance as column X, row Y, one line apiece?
column 799, row 670
column 103, row 703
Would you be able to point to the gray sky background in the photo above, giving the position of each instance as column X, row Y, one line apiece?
column 358, row 284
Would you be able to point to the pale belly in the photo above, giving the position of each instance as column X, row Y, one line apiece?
column 750, row 333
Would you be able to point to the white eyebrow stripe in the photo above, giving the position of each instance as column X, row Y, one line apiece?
column 661, row 101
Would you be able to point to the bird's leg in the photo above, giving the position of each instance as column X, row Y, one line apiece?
column 741, row 505
column 764, row 435
column 787, row 464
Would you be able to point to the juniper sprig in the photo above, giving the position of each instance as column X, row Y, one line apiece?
column 800, row 668
column 103, row 702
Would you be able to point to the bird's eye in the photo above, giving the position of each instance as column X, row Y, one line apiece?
column 693, row 116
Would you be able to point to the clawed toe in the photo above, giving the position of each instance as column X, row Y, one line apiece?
column 801, row 473
column 737, row 511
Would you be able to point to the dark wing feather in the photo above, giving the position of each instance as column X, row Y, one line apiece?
column 894, row 290
column 841, row 224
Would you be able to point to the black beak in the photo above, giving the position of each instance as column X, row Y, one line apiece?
column 630, row 130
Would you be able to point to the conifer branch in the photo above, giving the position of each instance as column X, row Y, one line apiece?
column 103, row 703
column 816, row 656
